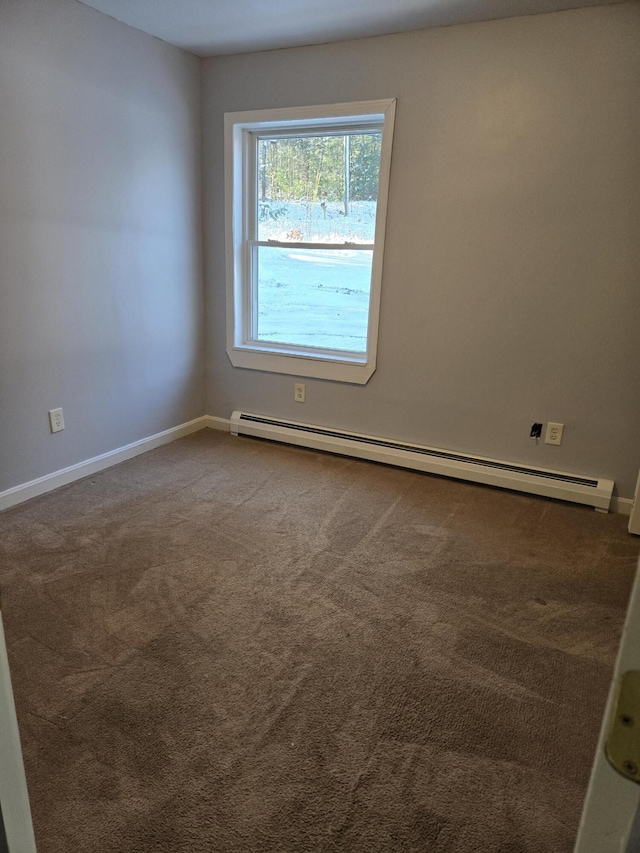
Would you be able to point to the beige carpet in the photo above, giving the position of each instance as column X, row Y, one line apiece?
column 229, row 645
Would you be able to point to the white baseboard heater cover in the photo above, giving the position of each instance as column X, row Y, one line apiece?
column 592, row 491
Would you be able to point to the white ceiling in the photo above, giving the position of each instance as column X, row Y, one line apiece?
column 213, row 27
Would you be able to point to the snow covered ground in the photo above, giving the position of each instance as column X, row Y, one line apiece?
column 315, row 297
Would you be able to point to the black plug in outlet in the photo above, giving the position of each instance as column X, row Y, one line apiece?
column 536, row 431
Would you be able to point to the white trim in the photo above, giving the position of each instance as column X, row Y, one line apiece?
column 621, row 505
column 319, row 116
column 49, row 482
column 18, row 494
column 242, row 349
column 14, row 796
column 634, row 511
column 612, row 801
column 217, row 423
column 297, row 365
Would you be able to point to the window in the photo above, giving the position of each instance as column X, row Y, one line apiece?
column 306, row 192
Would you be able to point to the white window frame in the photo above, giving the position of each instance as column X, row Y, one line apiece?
column 240, row 175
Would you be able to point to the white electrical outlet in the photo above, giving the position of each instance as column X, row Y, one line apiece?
column 56, row 420
column 299, row 392
column 554, row 433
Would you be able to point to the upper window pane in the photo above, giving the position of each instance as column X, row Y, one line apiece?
column 318, row 188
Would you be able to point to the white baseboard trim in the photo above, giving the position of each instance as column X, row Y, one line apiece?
column 621, row 505
column 24, row 492
column 217, row 423
column 49, row 482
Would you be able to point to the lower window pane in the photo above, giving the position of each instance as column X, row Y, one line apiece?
column 314, row 297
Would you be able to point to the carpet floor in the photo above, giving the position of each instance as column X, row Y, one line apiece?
column 230, row 645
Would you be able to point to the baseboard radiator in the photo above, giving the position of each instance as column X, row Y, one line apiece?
column 492, row 472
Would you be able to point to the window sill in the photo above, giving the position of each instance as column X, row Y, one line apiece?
column 315, row 367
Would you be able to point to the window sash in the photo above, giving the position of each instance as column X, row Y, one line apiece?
column 306, row 131
column 250, row 326
column 306, row 244
column 252, row 143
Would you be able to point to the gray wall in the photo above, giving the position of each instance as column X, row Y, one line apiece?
column 100, row 272
column 511, row 283
column 511, row 289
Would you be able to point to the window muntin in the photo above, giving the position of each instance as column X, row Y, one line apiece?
column 306, row 204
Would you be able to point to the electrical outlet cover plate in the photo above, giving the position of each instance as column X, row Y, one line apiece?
column 299, row 392
column 56, row 420
column 554, row 433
